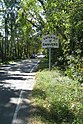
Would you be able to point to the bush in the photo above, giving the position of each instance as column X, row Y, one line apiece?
column 75, row 68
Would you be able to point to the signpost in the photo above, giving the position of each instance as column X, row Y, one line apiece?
column 50, row 41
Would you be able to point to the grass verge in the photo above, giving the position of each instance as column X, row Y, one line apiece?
column 57, row 99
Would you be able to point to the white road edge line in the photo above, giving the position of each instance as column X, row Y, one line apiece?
column 19, row 100
column 17, row 107
column 34, row 66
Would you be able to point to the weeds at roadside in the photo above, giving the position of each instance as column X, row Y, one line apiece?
column 57, row 99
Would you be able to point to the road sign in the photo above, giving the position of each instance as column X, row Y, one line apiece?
column 50, row 41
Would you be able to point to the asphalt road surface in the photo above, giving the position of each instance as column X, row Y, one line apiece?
column 16, row 83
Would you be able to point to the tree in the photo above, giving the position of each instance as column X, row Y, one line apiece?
column 25, row 25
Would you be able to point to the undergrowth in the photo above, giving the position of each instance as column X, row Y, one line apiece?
column 57, row 99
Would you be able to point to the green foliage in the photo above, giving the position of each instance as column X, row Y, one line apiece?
column 36, row 18
column 57, row 99
column 60, row 97
column 75, row 68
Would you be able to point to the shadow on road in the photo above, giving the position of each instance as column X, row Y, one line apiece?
column 12, row 78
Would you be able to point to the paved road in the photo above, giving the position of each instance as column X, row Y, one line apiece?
column 16, row 83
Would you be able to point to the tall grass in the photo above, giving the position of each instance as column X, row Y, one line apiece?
column 57, row 99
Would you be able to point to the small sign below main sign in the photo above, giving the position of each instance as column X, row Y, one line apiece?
column 50, row 41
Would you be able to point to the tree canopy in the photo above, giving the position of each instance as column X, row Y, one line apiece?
column 24, row 22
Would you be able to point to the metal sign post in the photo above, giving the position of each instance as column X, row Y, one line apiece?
column 50, row 41
column 50, row 59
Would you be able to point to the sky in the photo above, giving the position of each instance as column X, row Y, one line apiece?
column 1, row 17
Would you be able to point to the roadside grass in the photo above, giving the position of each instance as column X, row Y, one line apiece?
column 56, row 99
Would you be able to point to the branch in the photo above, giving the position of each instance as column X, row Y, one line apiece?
column 32, row 23
column 61, row 32
column 42, row 3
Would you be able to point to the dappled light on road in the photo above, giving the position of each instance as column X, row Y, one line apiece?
column 16, row 84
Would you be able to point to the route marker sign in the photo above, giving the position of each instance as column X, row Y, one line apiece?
column 50, row 41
